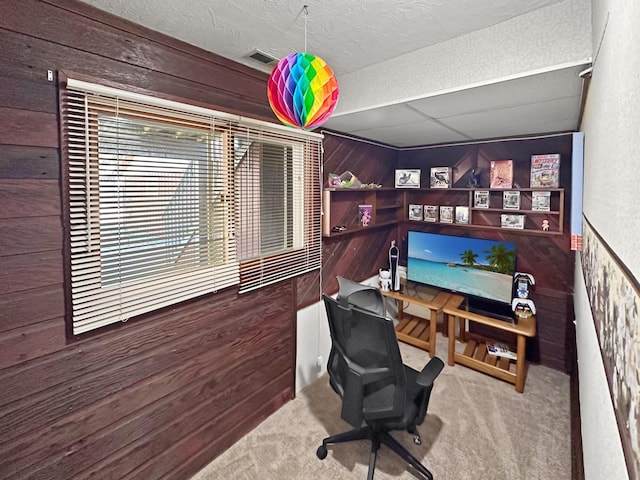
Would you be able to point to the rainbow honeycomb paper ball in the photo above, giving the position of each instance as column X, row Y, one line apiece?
column 302, row 91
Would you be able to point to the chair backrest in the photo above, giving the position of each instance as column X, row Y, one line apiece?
column 361, row 296
column 365, row 366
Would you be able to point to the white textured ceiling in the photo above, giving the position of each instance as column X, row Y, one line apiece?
column 379, row 49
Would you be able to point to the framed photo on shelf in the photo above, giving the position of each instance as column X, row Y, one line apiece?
column 481, row 199
column 501, row 174
column 408, row 178
column 430, row 213
column 440, row 177
column 446, row 214
column 462, row 214
column 545, row 171
column 512, row 221
column 541, row 201
column 511, row 200
column 415, row 212
column 365, row 213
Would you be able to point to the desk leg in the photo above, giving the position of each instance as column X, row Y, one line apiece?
column 433, row 320
column 520, row 362
column 451, row 320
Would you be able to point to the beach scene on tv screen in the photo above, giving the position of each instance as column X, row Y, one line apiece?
column 483, row 268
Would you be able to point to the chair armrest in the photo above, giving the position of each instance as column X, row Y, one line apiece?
column 429, row 373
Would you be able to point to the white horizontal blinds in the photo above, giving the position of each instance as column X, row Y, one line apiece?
column 151, row 205
column 278, row 200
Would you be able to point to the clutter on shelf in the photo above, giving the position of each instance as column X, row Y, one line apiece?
column 348, row 180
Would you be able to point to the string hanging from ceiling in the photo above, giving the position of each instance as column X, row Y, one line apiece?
column 302, row 89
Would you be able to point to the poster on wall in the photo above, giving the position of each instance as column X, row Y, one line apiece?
column 615, row 305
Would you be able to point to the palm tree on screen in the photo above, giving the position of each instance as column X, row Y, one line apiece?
column 468, row 257
column 501, row 259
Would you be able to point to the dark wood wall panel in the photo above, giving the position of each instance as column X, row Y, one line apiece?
column 33, row 270
column 146, row 401
column 31, row 306
column 160, row 395
column 29, row 198
column 28, row 93
column 370, row 163
column 30, row 234
column 34, row 57
column 26, row 127
column 31, row 342
column 29, row 162
column 357, row 256
column 308, row 289
column 63, row 27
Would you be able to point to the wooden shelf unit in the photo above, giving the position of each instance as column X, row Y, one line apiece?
column 490, row 218
column 391, row 206
column 340, row 208
column 475, row 352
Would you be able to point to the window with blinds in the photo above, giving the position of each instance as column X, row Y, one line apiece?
column 169, row 201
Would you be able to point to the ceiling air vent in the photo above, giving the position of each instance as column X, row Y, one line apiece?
column 263, row 57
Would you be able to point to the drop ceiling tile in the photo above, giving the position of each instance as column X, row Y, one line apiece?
column 392, row 115
column 544, row 117
column 531, row 89
column 425, row 132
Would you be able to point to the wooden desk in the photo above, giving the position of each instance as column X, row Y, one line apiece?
column 414, row 330
column 475, row 354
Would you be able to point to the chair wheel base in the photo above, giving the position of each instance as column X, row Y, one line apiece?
column 321, row 453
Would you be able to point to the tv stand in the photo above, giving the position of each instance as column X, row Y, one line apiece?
column 414, row 330
column 475, row 353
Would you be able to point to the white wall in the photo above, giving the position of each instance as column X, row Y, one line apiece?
column 313, row 343
column 611, row 177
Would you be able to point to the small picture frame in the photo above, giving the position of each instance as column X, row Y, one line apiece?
column 462, row 214
column 481, row 199
column 511, row 200
column 446, row 214
column 415, row 212
column 431, row 213
column 408, row 178
column 512, row 221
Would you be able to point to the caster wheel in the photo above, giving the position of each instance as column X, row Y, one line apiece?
column 321, row 452
column 417, row 440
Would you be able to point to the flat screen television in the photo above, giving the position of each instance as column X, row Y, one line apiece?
column 480, row 269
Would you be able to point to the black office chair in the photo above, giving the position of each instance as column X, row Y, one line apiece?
column 379, row 393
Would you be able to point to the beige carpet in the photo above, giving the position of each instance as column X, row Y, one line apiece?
column 476, row 427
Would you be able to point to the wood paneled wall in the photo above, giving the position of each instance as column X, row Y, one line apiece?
column 162, row 395
column 357, row 256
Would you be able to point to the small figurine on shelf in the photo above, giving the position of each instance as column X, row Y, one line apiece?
column 474, row 178
column 394, row 255
column 385, row 279
column 545, row 225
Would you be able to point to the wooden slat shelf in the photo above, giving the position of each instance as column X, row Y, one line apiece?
column 417, row 331
column 474, row 354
